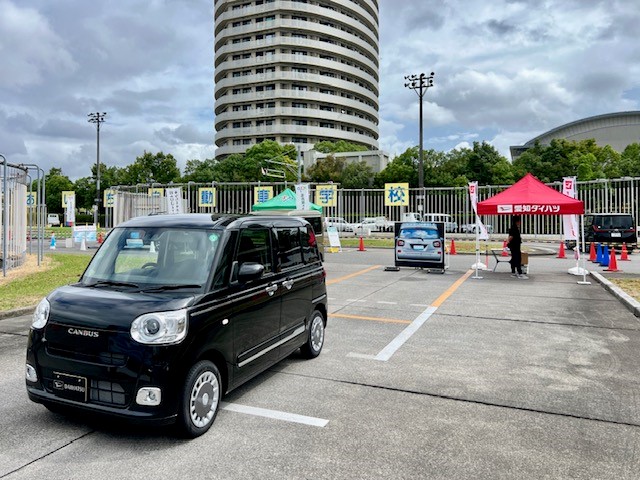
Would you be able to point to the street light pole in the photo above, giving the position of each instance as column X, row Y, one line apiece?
column 420, row 84
column 98, row 119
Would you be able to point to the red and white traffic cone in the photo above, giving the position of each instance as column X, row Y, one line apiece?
column 361, row 246
column 624, row 255
column 504, row 253
column 613, row 265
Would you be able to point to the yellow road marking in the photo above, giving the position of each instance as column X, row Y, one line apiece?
column 447, row 293
column 373, row 319
column 438, row 301
column 351, row 275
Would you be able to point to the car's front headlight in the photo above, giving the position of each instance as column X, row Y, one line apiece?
column 160, row 328
column 41, row 314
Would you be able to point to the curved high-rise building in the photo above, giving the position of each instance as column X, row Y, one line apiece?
column 295, row 71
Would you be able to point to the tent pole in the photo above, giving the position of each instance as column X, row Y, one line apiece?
column 581, row 238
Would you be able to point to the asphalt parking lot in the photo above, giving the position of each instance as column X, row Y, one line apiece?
column 423, row 375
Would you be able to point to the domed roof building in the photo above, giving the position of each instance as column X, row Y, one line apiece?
column 615, row 129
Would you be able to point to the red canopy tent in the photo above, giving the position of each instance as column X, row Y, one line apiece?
column 529, row 196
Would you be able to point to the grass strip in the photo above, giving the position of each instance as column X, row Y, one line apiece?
column 27, row 290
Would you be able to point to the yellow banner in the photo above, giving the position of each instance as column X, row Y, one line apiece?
column 156, row 192
column 32, row 199
column 396, row 194
column 109, row 198
column 66, row 194
column 207, row 197
column 262, row 194
column 326, row 195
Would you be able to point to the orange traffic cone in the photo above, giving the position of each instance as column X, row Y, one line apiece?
column 361, row 247
column 561, row 251
column 504, row 249
column 453, row 247
column 592, row 252
column 624, row 255
column 613, row 265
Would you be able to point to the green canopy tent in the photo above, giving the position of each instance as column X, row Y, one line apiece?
column 284, row 201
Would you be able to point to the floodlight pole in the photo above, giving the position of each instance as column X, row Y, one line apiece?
column 97, row 118
column 420, row 84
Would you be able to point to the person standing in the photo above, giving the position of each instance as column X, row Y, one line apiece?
column 514, row 243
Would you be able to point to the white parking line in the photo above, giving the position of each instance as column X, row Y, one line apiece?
column 355, row 300
column 387, row 303
column 405, row 335
column 275, row 414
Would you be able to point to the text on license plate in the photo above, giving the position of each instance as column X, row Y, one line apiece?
column 69, row 386
column 418, row 247
column 616, row 234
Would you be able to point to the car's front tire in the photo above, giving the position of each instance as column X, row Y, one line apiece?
column 315, row 340
column 200, row 399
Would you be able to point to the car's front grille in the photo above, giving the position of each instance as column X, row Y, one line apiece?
column 100, row 358
column 108, row 393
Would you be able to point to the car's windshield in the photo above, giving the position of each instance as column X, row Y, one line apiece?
column 614, row 221
column 140, row 258
column 419, row 233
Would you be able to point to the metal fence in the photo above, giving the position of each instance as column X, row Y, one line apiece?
column 13, row 215
column 615, row 195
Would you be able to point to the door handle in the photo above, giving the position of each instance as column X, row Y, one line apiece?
column 288, row 284
column 271, row 289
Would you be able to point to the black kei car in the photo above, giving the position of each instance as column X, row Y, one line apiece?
column 172, row 312
column 611, row 229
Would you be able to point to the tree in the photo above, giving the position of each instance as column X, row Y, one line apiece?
column 630, row 160
column 338, row 147
column 56, row 183
column 357, row 175
column 328, row 169
column 403, row 168
column 85, row 189
column 149, row 168
column 248, row 167
column 261, row 153
column 486, row 166
column 200, row 171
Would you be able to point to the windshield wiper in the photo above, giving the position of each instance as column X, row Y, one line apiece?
column 110, row 283
column 176, row 286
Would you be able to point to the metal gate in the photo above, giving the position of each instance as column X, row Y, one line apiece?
column 607, row 195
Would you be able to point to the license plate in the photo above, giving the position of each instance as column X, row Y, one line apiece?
column 418, row 247
column 71, row 387
column 616, row 234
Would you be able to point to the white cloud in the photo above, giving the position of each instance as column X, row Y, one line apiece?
column 505, row 72
column 30, row 50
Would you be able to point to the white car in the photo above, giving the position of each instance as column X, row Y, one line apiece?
column 471, row 228
column 53, row 220
column 339, row 223
column 373, row 224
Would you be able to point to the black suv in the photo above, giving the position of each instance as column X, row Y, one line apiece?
column 172, row 312
column 612, row 229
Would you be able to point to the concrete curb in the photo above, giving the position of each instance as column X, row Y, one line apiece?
column 18, row 312
column 632, row 304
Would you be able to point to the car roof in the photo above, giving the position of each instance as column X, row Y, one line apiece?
column 206, row 220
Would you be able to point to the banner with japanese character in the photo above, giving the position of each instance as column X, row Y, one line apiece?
column 206, row 197
column 396, row 194
column 326, row 195
column 262, row 194
column 570, row 222
column 483, row 234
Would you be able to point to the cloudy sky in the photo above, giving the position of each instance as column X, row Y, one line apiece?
column 505, row 72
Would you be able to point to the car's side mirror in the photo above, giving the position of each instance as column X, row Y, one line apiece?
column 250, row 271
